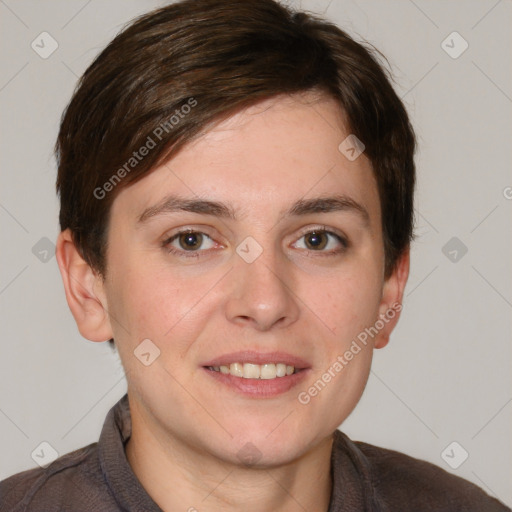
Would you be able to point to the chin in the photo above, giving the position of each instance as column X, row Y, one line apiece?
column 264, row 445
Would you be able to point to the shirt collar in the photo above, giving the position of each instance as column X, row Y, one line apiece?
column 353, row 488
column 121, row 479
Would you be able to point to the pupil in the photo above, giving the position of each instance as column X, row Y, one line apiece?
column 191, row 240
column 316, row 240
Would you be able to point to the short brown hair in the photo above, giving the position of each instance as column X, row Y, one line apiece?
column 204, row 60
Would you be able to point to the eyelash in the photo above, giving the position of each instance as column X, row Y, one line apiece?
column 182, row 253
column 323, row 229
column 166, row 244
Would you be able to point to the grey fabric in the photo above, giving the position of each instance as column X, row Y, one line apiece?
column 99, row 478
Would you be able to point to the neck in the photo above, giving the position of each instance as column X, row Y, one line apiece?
column 178, row 477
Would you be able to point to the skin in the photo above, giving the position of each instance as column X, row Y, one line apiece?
column 310, row 302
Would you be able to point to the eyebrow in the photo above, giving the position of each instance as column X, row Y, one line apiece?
column 173, row 204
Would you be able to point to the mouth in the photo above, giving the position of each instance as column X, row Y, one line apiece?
column 257, row 374
column 266, row 371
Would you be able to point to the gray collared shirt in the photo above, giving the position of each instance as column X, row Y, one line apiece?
column 99, row 478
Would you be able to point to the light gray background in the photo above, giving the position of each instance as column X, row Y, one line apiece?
column 445, row 375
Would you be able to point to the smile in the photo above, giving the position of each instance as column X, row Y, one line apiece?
column 266, row 371
column 256, row 374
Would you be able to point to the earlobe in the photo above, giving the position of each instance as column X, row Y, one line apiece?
column 84, row 291
column 391, row 302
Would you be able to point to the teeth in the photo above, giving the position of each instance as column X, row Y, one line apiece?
column 251, row 371
column 268, row 371
column 236, row 369
column 280, row 369
column 256, row 371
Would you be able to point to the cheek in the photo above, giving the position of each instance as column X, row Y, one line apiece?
column 139, row 299
column 345, row 302
column 158, row 303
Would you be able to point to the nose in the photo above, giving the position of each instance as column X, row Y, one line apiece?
column 261, row 294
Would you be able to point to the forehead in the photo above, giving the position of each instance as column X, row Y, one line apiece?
column 272, row 153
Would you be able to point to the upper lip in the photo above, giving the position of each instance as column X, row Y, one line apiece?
column 248, row 356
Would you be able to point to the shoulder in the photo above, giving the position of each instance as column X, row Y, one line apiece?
column 73, row 481
column 403, row 482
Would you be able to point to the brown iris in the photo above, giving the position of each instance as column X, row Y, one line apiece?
column 316, row 240
column 190, row 241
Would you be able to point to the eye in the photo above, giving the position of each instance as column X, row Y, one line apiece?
column 321, row 240
column 189, row 241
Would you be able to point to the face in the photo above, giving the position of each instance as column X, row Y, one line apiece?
column 256, row 248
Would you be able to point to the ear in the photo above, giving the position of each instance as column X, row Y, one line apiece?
column 391, row 302
column 84, row 291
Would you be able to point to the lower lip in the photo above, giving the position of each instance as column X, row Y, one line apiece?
column 259, row 388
